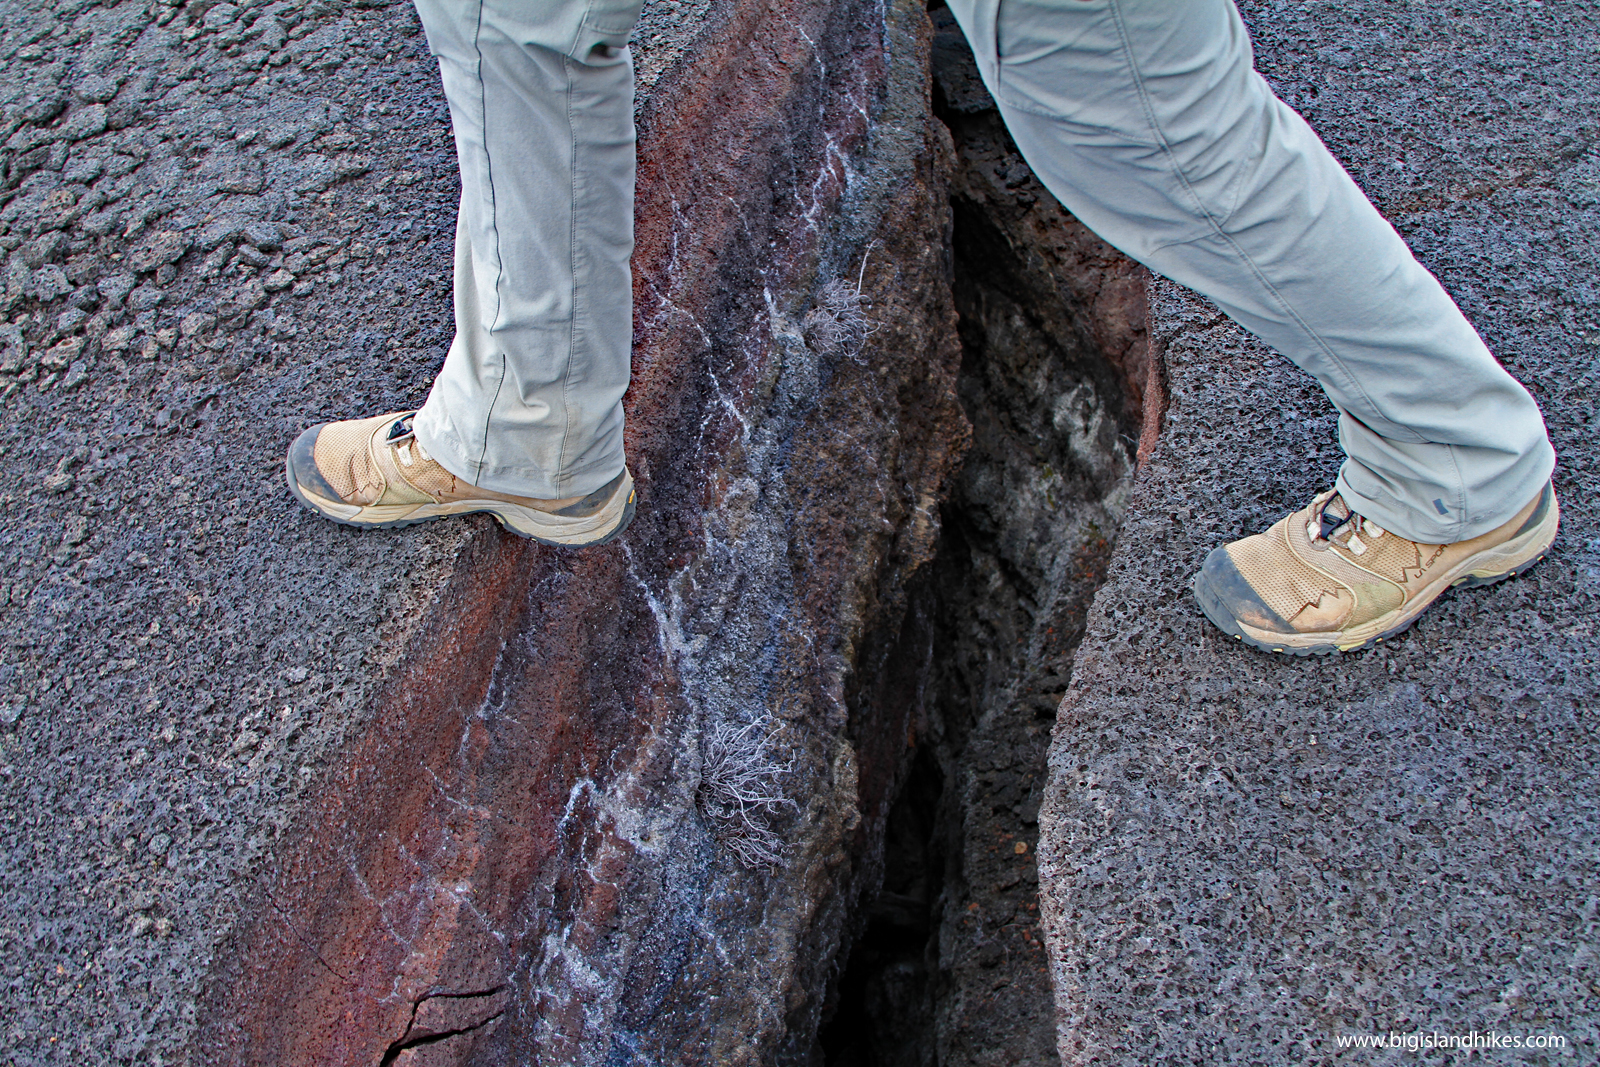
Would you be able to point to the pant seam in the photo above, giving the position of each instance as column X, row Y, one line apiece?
column 577, row 41
column 494, row 229
column 561, row 476
column 1461, row 492
column 1145, row 104
column 1115, row 7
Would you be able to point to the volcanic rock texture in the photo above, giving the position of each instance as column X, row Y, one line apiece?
column 211, row 237
column 275, row 791
column 950, row 967
column 1244, row 858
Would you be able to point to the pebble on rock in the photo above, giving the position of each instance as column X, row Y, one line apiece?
column 251, row 295
column 77, row 373
column 101, row 223
column 253, row 256
column 85, row 122
column 280, row 280
column 266, row 236
column 116, row 287
column 47, row 248
column 118, row 339
column 159, row 249
column 218, row 230
column 96, row 89
column 43, row 110
column 61, row 354
column 59, row 480
column 85, row 169
column 15, row 351
column 50, row 283
column 196, row 323
column 145, row 298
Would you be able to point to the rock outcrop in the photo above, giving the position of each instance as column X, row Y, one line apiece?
column 622, row 805
column 281, row 793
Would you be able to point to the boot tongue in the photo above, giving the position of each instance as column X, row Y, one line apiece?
column 1335, row 513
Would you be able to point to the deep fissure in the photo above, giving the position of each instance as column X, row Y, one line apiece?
column 948, row 964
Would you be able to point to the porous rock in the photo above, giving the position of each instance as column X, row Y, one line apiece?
column 287, row 794
column 1247, row 858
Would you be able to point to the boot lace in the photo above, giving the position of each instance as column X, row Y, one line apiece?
column 1327, row 527
column 402, row 438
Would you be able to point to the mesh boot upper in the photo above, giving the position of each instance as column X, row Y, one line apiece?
column 1326, row 578
column 1330, row 583
column 343, row 456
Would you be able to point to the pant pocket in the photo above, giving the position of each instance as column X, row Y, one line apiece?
column 1067, row 60
column 606, row 28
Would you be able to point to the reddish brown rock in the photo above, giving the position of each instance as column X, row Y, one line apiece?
column 616, row 804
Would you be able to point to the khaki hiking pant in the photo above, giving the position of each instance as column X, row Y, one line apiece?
column 1146, row 120
column 529, row 400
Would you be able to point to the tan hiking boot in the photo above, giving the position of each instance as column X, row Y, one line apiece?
column 1326, row 580
column 374, row 472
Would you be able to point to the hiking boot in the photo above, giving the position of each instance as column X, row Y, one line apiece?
column 374, row 472
column 1327, row 580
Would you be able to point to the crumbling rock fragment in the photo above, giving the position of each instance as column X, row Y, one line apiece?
column 159, row 249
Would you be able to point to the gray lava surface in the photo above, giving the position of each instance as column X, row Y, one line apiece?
column 219, row 222
column 1245, row 857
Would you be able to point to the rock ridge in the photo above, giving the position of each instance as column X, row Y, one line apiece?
column 546, row 825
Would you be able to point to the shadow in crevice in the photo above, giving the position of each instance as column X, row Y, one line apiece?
column 949, row 965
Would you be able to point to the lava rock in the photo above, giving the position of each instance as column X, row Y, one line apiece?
column 145, row 297
column 1249, row 858
column 159, row 249
column 264, row 236
column 84, row 122
column 661, row 814
column 41, row 110
column 96, row 88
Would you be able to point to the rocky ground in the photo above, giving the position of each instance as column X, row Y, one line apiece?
column 1244, row 858
column 222, row 221
column 211, row 238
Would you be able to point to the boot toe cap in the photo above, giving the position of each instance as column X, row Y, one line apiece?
column 301, row 465
column 1228, row 599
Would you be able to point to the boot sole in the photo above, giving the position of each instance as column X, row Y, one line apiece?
column 547, row 528
column 1488, row 567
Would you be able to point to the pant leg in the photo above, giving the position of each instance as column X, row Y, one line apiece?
column 1147, row 120
column 529, row 400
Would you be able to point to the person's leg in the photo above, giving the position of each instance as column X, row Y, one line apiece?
column 1148, row 122
column 525, row 419
column 529, row 401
